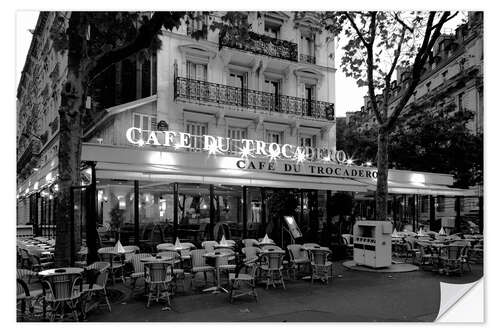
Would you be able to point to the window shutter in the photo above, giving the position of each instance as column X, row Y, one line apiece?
column 153, row 124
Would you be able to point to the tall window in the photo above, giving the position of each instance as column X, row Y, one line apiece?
column 236, row 133
column 197, row 130
column 274, row 136
column 145, row 122
column 272, row 29
column 196, row 71
column 239, row 81
column 307, row 140
column 310, row 96
column 461, row 101
column 273, row 87
column 307, row 47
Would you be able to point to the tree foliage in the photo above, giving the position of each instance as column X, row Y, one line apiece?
column 377, row 44
column 439, row 142
column 432, row 141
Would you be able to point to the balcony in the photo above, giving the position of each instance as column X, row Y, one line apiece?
column 261, row 44
column 309, row 59
column 29, row 155
column 191, row 90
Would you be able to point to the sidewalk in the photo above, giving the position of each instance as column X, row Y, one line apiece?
column 350, row 296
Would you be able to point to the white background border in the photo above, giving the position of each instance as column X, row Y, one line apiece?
column 491, row 119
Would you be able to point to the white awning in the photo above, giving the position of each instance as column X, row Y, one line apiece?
column 145, row 173
column 419, row 188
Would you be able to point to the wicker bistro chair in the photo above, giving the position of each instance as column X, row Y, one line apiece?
column 451, row 259
column 250, row 252
column 225, row 263
column 426, row 257
column 61, row 291
column 133, row 248
column 25, row 258
column 96, row 283
column 242, row 284
column 248, row 242
column 25, row 297
column 185, row 256
column 38, row 264
column 410, row 252
column 138, row 265
column 298, row 257
column 464, row 259
column 272, row 267
column 176, row 262
column 321, row 267
column 158, row 277
column 115, row 261
column 199, row 265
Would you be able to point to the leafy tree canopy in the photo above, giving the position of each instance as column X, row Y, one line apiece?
column 438, row 141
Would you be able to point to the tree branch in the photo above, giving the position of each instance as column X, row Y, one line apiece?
column 405, row 26
column 147, row 32
column 397, row 54
column 355, row 27
column 369, row 63
column 448, row 19
column 431, row 35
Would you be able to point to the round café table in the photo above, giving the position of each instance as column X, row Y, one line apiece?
column 114, row 253
column 156, row 260
column 61, row 271
column 216, row 255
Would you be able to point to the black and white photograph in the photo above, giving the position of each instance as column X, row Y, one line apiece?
column 317, row 166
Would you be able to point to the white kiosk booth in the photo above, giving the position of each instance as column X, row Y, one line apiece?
column 372, row 243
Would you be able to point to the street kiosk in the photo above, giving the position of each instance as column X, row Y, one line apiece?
column 372, row 243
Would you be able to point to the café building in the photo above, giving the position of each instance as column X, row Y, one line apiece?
column 210, row 135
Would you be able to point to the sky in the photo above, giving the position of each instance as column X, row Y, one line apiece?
column 349, row 97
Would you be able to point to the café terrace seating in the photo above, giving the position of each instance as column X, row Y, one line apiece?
column 256, row 262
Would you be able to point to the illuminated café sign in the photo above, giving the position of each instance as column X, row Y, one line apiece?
column 245, row 147
column 250, row 150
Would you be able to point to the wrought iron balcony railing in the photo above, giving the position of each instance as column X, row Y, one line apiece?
column 308, row 58
column 202, row 91
column 261, row 44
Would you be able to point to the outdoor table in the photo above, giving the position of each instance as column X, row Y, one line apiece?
column 223, row 246
column 312, row 247
column 156, row 260
column 216, row 255
column 61, row 271
column 261, row 252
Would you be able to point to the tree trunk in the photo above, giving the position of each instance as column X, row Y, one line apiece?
column 382, row 174
column 69, row 146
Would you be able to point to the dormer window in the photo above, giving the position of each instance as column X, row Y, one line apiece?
column 272, row 28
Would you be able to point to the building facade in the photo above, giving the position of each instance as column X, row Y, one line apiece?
column 214, row 136
column 38, row 101
column 453, row 77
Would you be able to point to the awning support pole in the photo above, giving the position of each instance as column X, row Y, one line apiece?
column 245, row 210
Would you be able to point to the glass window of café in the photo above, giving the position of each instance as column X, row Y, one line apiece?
column 193, row 211
column 228, row 204
column 115, row 211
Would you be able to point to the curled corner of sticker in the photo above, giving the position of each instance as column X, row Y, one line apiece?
column 451, row 295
